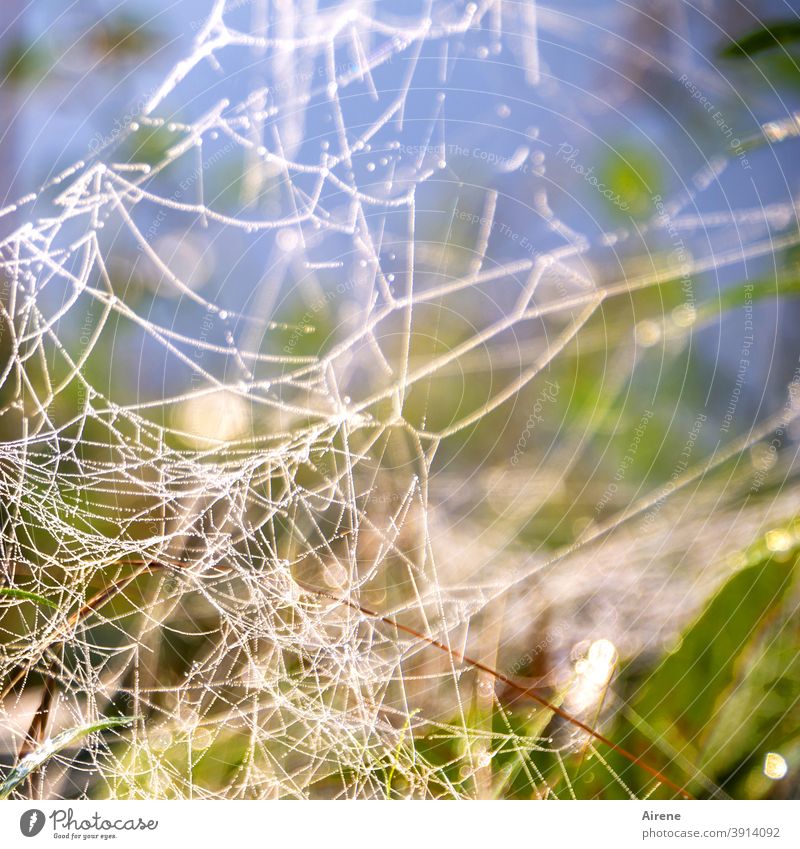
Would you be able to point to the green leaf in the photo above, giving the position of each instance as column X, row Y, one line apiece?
column 680, row 698
column 30, row 763
column 13, row 592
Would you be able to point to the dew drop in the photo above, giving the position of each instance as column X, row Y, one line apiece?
column 287, row 239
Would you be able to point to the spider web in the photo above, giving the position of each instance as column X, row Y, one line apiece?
column 272, row 502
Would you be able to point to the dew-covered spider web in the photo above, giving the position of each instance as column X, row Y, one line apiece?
column 291, row 422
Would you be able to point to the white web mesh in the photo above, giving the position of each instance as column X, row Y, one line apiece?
column 291, row 270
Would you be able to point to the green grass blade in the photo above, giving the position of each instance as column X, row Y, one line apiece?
column 30, row 763
column 13, row 592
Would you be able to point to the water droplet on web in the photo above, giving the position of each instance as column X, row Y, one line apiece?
column 202, row 738
column 160, row 739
